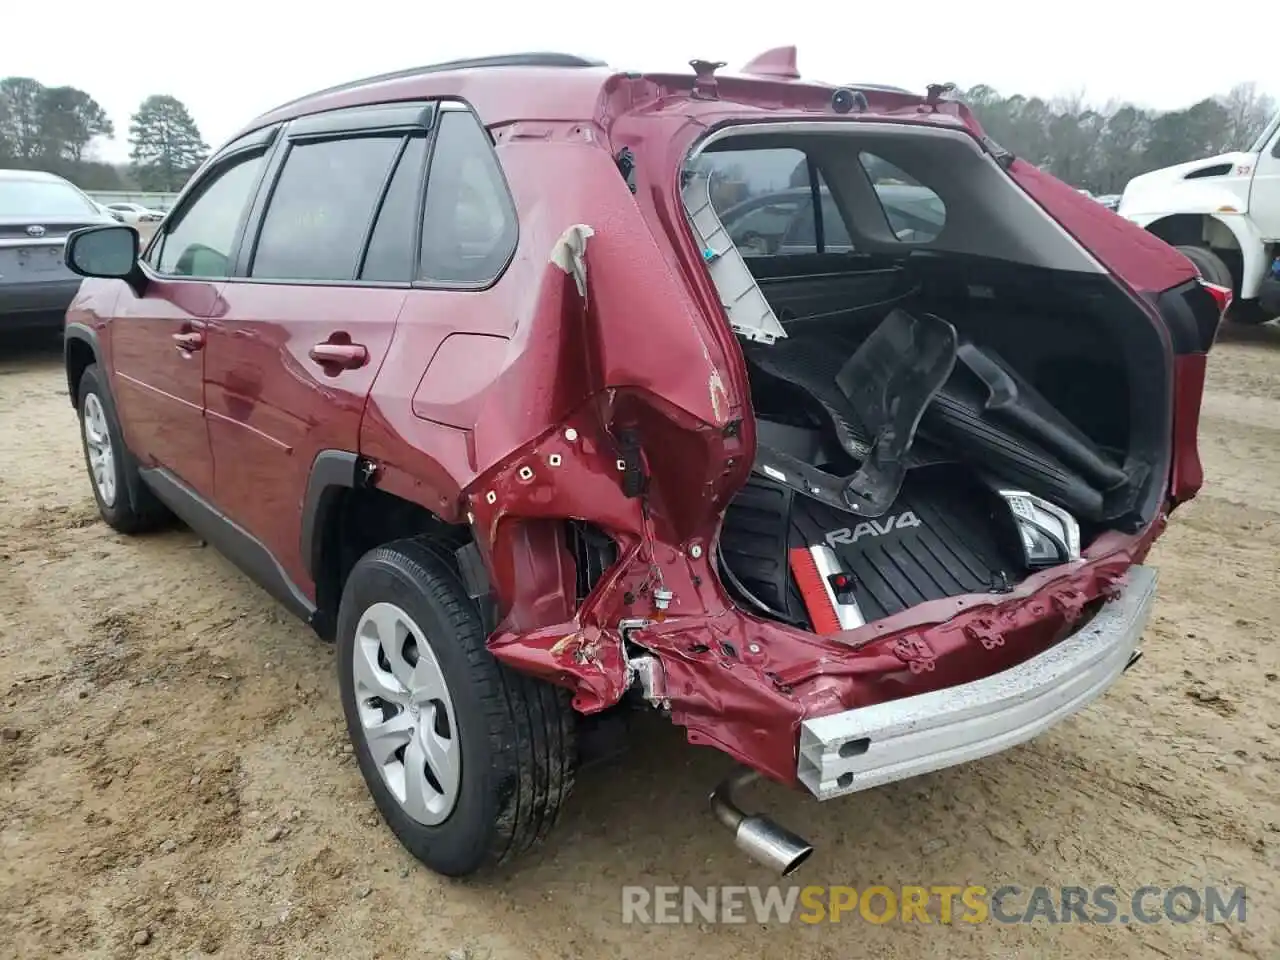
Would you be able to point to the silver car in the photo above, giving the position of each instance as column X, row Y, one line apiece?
column 37, row 212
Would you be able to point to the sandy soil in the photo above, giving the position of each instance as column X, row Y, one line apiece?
column 174, row 780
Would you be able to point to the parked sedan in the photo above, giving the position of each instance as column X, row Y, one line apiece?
column 135, row 213
column 103, row 208
column 37, row 211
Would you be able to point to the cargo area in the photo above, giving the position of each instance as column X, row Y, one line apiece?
column 949, row 393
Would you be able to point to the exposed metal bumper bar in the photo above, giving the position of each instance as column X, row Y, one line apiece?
column 869, row 746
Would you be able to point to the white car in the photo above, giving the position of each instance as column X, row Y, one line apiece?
column 108, row 212
column 134, row 213
column 1223, row 214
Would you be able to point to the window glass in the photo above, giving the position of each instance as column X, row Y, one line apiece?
column 469, row 226
column 761, row 196
column 42, row 199
column 802, row 236
column 199, row 242
column 915, row 213
column 390, row 255
column 315, row 222
column 764, row 200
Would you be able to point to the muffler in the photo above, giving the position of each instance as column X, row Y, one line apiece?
column 758, row 837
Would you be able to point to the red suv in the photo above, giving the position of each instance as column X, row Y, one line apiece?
column 462, row 366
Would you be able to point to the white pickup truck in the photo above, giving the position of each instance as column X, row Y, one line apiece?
column 1223, row 213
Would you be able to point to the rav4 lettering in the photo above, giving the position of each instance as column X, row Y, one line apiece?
column 873, row 528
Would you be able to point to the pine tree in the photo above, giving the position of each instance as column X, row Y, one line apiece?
column 166, row 144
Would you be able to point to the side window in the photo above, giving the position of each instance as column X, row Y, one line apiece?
column 469, row 226
column 198, row 243
column 802, row 233
column 390, row 255
column 315, row 223
column 915, row 213
column 835, row 236
column 764, row 200
column 802, row 237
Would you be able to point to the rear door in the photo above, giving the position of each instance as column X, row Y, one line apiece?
column 158, row 338
column 310, row 313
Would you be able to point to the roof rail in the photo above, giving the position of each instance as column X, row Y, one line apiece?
column 473, row 63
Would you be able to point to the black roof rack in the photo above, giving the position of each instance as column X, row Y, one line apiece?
column 474, row 63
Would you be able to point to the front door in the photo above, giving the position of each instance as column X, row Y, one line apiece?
column 158, row 339
column 157, row 353
column 308, row 321
column 1264, row 193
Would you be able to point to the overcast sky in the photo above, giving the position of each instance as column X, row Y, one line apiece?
column 232, row 59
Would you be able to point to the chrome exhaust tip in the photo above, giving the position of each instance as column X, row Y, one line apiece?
column 1133, row 660
column 760, row 838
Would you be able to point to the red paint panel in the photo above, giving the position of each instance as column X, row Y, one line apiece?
column 272, row 408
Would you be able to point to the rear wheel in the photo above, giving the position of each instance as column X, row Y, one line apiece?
column 467, row 761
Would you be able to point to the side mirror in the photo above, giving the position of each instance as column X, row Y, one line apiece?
column 109, row 251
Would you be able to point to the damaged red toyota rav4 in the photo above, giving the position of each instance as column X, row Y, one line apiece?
column 805, row 415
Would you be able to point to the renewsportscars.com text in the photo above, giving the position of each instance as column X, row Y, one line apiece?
column 940, row 904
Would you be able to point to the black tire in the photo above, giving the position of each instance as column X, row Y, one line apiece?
column 516, row 734
column 133, row 508
column 1209, row 265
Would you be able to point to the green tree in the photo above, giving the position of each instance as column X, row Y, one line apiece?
column 166, row 144
column 69, row 120
column 1182, row 135
column 1102, row 149
column 20, row 118
column 1121, row 146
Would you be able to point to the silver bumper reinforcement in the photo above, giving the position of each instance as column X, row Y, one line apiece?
column 869, row 746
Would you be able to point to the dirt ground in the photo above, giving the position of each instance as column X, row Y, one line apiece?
column 174, row 780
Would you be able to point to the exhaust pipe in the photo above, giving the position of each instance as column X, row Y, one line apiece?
column 1133, row 660
column 758, row 837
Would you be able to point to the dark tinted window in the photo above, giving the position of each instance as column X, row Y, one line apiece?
column 802, row 237
column 390, row 255
column 315, row 223
column 198, row 243
column 469, row 226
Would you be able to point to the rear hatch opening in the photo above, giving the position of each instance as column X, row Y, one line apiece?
column 950, row 394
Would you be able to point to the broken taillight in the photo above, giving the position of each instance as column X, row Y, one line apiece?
column 1222, row 295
